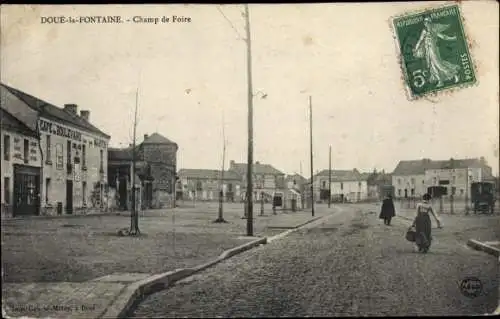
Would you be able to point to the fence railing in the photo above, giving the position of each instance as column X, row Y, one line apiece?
column 444, row 205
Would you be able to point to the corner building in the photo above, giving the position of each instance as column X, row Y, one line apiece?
column 73, row 159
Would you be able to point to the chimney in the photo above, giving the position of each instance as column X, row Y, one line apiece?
column 84, row 114
column 71, row 108
column 146, row 136
column 231, row 163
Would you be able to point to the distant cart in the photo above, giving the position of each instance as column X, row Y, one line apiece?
column 483, row 197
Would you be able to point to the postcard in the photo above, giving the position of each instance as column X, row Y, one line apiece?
column 250, row 160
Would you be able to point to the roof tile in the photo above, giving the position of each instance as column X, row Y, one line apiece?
column 9, row 121
column 53, row 112
column 156, row 138
column 206, row 174
column 418, row 167
column 258, row 168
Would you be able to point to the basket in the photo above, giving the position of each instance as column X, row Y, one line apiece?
column 411, row 235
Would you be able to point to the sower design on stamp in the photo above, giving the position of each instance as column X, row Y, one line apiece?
column 434, row 51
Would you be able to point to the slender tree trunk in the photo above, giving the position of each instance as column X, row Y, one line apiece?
column 220, row 219
column 134, row 227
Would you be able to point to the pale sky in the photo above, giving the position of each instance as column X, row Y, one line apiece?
column 344, row 55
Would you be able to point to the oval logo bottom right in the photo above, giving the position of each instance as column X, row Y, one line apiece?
column 471, row 287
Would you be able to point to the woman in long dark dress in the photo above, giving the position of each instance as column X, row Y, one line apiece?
column 388, row 211
column 423, row 224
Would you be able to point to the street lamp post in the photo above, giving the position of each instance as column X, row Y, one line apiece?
column 250, row 126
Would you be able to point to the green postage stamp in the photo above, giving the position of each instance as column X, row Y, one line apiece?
column 434, row 50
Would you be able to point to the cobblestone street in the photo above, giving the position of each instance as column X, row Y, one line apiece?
column 350, row 265
column 77, row 249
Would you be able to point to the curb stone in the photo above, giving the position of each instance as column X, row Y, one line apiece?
column 62, row 217
column 497, row 311
column 134, row 292
column 477, row 245
column 137, row 290
column 285, row 233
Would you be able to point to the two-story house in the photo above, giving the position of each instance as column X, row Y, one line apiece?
column 408, row 178
column 72, row 155
column 205, row 184
column 346, row 185
column 156, row 164
column 267, row 180
column 21, row 162
column 457, row 175
column 412, row 178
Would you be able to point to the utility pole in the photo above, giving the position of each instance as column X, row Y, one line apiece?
column 467, row 191
column 311, row 144
column 330, row 178
column 250, row 126
column 220, row 219
column 134, row 223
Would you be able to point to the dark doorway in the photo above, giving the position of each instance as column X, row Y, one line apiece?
column 69, row 197
column 277, row 200
column 147, row 197
column 26, row 190
column 122, row 191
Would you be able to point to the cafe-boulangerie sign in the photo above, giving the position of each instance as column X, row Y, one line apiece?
column 63, row 131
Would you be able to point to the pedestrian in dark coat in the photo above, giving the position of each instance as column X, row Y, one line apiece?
column 388, row 211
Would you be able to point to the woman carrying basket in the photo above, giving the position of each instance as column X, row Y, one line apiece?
column 423, row 225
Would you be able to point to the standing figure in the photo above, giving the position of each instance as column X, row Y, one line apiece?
column 388, row 211
column 423, row 225
column 427, row 47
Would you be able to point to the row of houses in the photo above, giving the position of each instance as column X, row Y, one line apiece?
column 410, row 179
column 51, row 157
column 55, row 161
column 204, row 184
column 413, row 178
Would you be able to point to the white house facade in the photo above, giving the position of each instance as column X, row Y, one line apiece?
column 412, row 178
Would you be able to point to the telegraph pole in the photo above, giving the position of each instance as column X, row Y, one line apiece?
column 250, row 126
column 467, row 191
column 330, row 178
column 311, row 144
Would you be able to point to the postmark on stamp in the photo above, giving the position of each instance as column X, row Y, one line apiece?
column 434, row 51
